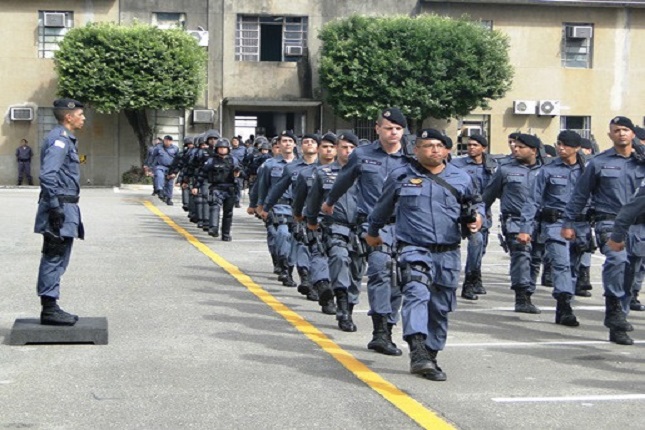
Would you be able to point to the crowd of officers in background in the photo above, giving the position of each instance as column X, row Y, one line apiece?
column 337, row 207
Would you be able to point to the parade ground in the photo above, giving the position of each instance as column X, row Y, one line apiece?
column 203, row 336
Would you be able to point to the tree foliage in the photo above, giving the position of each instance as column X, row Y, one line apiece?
column 429, row 66
column 132, row 69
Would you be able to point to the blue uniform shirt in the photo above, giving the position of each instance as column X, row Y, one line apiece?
column 60, row 168
column 345, row 209
column 371, row 165
column 282, row 187
column 628, row 214
column 270, row 175
column 301, row 187
column 512, row 183
column 162, row 156
column 479, row 172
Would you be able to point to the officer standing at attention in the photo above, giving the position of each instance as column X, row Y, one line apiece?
column 611, row 178
column 23, row 156
column 512, row 183
column 369, row 165
column 162, row 158
column 59, row 217
column 480, row 166
column 550, row 195
column 426, row 195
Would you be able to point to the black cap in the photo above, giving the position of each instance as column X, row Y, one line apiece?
column 586, row 143
column 67, row 104
column 624, row 121
column 312, row 136
column 395, row 115
column 640, row 133
column 431, row 133
column 329, row 137
column 348, row 136
column 529, row 140
column 289, row 133
column 479, row 139
column 550, row 150
column 569, row 138
column 514, row 135
column 167, row 137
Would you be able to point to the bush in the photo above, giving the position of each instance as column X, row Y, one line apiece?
column 135, row 175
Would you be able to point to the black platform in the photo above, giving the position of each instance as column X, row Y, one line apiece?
column 86, row 330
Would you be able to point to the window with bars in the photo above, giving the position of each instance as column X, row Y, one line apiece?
column 577, row 45
column 52, row 27
column 579, row 124
column 364, row 129
column 270, row 38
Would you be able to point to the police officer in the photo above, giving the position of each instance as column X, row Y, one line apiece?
column 611, row 178
column 59, row 217
column 238, row 152
column 180, row 168
column 23, row 156
column 369, row 165
column 512, row 183
column 426, row 196
column 549, row 196
column 161, row 159
column 480, row 167
column 345, row 250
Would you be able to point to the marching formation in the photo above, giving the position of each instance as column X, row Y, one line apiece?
column 337, row 208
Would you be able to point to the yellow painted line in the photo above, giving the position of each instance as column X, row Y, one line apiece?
column 423, row 416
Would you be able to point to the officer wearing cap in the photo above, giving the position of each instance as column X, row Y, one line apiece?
column 23, row 157
column 281, row 217
column 610, row 179
column 368, row 166
column 549, row 196
column 480, row 167
column 426, row 196
column 511, row 183
column 59, row 217
column 344, row 248
column 161, row 160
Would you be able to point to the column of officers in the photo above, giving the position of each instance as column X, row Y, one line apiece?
column 398, row 210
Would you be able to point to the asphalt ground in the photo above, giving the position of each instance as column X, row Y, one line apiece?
column 201, row 335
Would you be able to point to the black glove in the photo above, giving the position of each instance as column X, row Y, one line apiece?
column 56, row 218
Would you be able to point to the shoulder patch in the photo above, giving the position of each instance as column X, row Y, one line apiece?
column 59, row 143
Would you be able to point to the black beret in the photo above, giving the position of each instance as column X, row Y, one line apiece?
column 586, row 143
column 431, row 133
column 479, row 139
column 312, row 136
column 624, row 121
column 514, row 135
column 550, row 150
column 330, row 137
column 289, row 134
column 363, row 141
column 448, row 142
column 167, row 137
column 350, row 137
column 67, row 104
column 640, row 133
column 569, row 138
column 529, row 140
column 395, row 115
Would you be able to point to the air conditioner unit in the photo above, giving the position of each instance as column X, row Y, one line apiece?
column 549, row 107
column 524, row 107
column 201, row 36
column 203, row 116
column 54, row 19
column 21, row 114
column 580, row 31
column 293, row 51
column 469, row 130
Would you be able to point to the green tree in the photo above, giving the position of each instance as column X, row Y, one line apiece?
column 133, row 68
column 429, row 66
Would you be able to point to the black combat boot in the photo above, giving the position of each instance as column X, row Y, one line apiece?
column 329, row 308
column 276, row 264
column 615, row 319
column 226, row 237
column 213, row 231
column 422, row 361
column 563, row 312
column 325, row 293
column 381, row 340
column 583, row 282
column 523, row 302
column 468, row 288
column 52, row 314
column 305, row 286
column 287, row 280
column 547, row 276
column 343, row 315
column 479, row 287
column 635, row 304
column 620, row 337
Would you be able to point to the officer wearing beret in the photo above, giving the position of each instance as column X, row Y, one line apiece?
column 368, row 166
column 512, row 183
column 610, row 179
column 549, row 196
column 480, row 167
column 426, row 196
column 59, row 217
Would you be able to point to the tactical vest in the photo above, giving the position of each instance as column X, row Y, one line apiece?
column 221, row 171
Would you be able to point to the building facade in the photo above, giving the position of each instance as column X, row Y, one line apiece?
column 576, row 64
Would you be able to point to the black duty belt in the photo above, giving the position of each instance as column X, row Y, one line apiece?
column 68, row 199
column 436, row 248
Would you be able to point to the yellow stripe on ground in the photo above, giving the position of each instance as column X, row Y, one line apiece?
column 423, row 416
